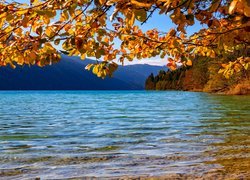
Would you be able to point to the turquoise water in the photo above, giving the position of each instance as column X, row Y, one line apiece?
column 66, row 134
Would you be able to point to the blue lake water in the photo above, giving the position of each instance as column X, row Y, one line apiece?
column 70, row 134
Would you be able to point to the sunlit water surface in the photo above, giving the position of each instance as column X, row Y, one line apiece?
column 61, row 134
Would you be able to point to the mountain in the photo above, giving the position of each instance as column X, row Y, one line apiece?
column 69, row 74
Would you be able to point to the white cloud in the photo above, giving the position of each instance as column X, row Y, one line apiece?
column 153, row 61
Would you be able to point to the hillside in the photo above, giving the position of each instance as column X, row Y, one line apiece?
column 202, row 76
column 69, row 74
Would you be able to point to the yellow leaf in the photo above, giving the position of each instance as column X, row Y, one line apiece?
column 172, row 32
column 106, row 40
column 64, row 15
column 20, row 60
column 172, row 67
column 237, row 67
column 25, row 21
column 95, row 69
column 232, row 6
column 131, row 19
column 89, row 66
column 141, row 4
column 33, row 55
column 102, row 2
column 221, row 71
column 19, row 31
column 49, row 32
column 247, row 8
column 21, row 12
column 46, row 19
column 83, row 56
column 224, row 65
column 213, row 55
column 189, row 63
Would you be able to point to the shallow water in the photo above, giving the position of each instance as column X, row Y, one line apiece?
column 66, row 134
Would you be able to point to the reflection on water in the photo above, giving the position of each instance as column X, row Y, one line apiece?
column 125, row 133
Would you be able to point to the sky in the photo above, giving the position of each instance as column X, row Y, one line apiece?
column 161, row 22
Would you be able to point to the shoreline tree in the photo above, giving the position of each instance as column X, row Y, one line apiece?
column 30, row 33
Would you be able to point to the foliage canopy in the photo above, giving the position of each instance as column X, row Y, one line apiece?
column 29, row 33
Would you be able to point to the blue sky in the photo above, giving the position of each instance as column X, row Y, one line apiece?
column 162, row 23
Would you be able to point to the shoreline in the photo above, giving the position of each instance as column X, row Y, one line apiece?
column 217, row 173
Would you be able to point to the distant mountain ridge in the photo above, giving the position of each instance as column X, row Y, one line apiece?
column 69, row 74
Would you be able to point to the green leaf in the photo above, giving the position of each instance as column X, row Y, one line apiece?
column 141, row 15
column 9, row 17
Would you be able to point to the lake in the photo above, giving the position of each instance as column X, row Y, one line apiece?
column 111, row 134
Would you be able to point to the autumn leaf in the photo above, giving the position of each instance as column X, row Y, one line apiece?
column 82, row 29
column 141, row 15
column 189, row 63
column 232, row 6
